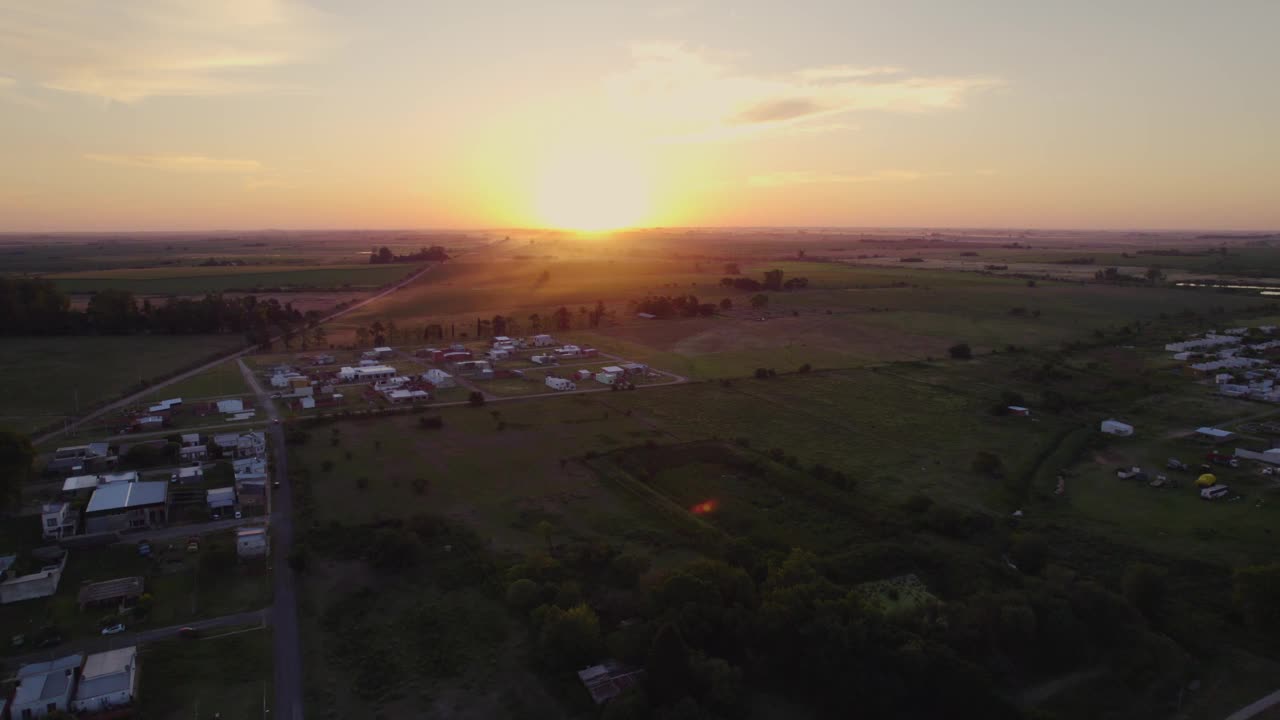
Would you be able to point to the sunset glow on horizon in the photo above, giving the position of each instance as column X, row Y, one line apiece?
column 586, row 116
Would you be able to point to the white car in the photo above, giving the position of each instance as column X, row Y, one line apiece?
column 113, row 629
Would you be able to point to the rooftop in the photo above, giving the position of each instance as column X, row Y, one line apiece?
column 110, row 590
column 45, row 680
column 107, row 672
column 118, row 496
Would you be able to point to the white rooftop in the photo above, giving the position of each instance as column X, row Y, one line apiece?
column 118, row 496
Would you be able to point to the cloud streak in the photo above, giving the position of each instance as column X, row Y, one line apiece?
column 805, row 177
column 129, row 51
column 179, row 163
column 676, row 94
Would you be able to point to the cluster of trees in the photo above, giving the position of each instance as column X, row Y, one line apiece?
column 772, row 281
column 666, row 306
column 384, row 256
column 561, row 319
column 1153, row 275
column 37, row 307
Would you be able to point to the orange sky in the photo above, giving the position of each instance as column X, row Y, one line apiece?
column 280, row 113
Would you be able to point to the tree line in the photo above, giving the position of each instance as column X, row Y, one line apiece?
column 384, row 256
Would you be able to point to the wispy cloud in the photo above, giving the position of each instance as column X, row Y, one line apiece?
column 686, row 95
column 10, row 92
column 135, row 49
column 180, row 163
column 804, row 177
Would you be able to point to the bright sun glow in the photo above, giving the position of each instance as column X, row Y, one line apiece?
column 594, row 188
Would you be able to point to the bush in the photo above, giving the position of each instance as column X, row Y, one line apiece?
column 326, row 465
column 476, row 399
column 522, row 594
column 960, row 351
column 434, row 422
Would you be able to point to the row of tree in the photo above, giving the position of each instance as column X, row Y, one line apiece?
column 772, row 281
column 384, row 256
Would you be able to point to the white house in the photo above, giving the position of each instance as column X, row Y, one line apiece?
column 368, row 373
column 439, row 378
column 1115, row 427
column 544, row 359
column 45, row 687
column 108, row 681
column 381, row 352
column 543, row 341
column 193, row 453
column 307, row 403
column 613, row 370
column 399, row 396
column 230, row 406
column 607, row 378
column 499, row 353
column 223, row 497
column 390, row 384
column 558, row 383
column 57, row 520
column 583, row 374
column 251, row 542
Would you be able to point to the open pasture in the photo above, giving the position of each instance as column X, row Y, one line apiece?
column 185, row 280
column 48, row 378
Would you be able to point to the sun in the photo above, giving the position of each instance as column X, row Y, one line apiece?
column 593, row 188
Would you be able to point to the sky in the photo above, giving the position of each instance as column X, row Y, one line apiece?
column 250, row 114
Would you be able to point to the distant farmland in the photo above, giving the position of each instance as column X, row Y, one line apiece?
column 198, row 280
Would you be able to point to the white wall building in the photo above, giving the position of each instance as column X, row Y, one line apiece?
column 45, row 687
column 108, row 681
column 251, row 542
column 561, row 384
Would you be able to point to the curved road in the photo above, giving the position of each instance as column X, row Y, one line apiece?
column 129, row 399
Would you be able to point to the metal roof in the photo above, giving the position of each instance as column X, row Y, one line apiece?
column 45, row 680
column 119, row 496
column 107, row 672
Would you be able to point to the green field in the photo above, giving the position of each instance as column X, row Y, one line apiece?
column 199, row 280
column 218, row 381
column 47, row 378
column 226, row 674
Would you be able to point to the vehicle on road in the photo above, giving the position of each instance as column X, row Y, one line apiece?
column 189, row 633
column 113, row 629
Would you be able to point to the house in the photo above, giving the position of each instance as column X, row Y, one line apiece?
column 609, row 680
column 635, row 368
column 307, row 403
column 193, row 453
column 367, row 374
column 472, row 367
column 1214, row 435
column 1234, row 390
column 583, row 374
column 219, row 498
column 251, row 443
column 80, row 483
column 588, row 352
column 120, row 591
column 606, row 377
column 543, row 340
column 249, row 465
column 231, row 406
column 399, row 396
column 1019, row 410
column 38, row 584
column 1209, row 341
column 126, row 506
column 187, row 475
column 81, row 457
column 45, row 687
column 646, row 316
column 498, row 354
column 108, row 682
column 119, row 477
column 165, row 405
column 382, row 352
column 544, row 359
column 190, row 439
column 613, row 369
column 57, row 520
column 390, row 384
column 438, row 378
column 251, row 490
column 149, row 422
column 251, row 542
column 322, row 359
column 561, row 384
column 1115, row 427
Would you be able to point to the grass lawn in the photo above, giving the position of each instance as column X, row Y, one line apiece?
column 46, row 375
column 226, row 676
column 196, row 280
column 223, row 379
column 182, row 589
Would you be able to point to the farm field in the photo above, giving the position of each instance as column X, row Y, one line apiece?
column 221, row 380
column 197, row 280
column 224, row 675
column 45, row 374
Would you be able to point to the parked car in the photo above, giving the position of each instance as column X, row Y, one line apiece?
column 1216, row 492
column 189, row 633
column 113, row 629
column 238, row 515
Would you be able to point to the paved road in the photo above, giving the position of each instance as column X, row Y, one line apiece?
column 1256, row 708
column 130, row 399
column 103, row 643
column 287, row 648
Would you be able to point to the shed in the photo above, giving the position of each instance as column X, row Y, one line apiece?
column 251, row 542
column 222, row 497
column 111, row 591
column 233, row 405
column 1213, row 434
column 1115, row 427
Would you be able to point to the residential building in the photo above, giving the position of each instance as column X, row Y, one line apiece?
column 543, row 341
column 559, row 383
column 57, row 521
column 108, row 681
column 42, row 583
column 230, row 406
column 401, row 396
column 220, row 498
column 1115, row 427
column 438, row 378
column 193, row 453
column 251, row 542
column 126, row 506
column 367, row 374
column 81, row 457
column 609, row 680
column 45, row 687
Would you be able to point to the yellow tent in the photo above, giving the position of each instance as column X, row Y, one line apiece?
column 1206, row 480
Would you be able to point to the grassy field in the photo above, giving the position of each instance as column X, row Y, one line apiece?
column 182, row 589
column 48, row 377
column 198, row 280
column 226, row 677
column 223, row 379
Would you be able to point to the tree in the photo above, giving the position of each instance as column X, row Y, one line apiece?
column 1145, row 587
column 773, row 279
column 522, row 594
column 759, row 302
column 987, row 463
column 731, row 269
column 1257, row 594
column 362, row 336
column 960, row 351
column 535, row 323
column 726, row 304
column 668, row 666
column 475, row 399
column 16, row 456
column 570, row 639
column 318, row 334
column 546, row 529
column 563, row 318
column 1154, row 275
column 1029, row 552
